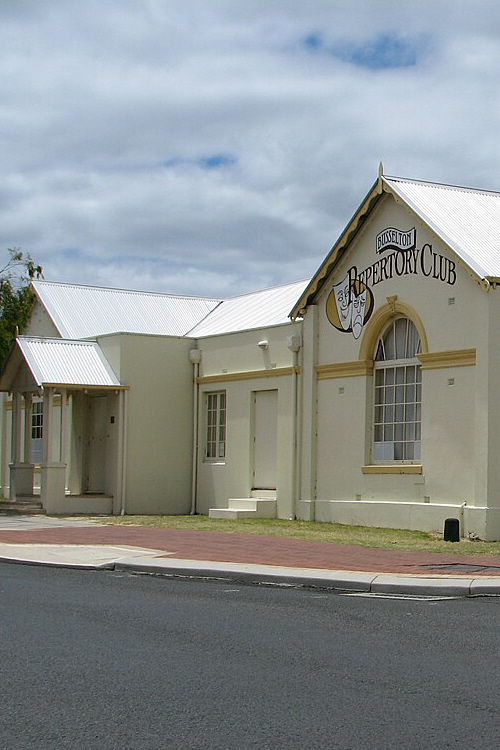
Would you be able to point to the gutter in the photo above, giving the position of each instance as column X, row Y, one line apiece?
column 195, row 359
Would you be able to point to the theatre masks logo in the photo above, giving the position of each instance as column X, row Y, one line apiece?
column 349, row 306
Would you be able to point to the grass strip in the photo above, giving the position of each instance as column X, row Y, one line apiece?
column 364, row 536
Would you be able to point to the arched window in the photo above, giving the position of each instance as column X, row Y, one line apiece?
column 398, row 386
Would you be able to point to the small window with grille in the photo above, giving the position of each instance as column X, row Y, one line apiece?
column 216, row 426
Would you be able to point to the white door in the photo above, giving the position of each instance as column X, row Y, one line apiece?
column 96, row 444
column 265, row 453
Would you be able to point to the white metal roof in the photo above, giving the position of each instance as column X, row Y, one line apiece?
column 270, row 307
column 62, row 362
column 466, row 219
column 80, row 312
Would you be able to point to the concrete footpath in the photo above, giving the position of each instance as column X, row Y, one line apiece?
column 86, row 544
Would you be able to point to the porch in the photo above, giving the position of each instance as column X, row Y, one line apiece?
column 81, row 431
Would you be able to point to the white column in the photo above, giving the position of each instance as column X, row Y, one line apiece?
column 27, row 427
column 48, row 424
column 63, row 444
column 21, row 470
column 16, row 428
column 52, row 491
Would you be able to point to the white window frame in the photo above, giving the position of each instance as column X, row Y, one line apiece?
column 36, row 430
column 215, row 426
column 397, row 403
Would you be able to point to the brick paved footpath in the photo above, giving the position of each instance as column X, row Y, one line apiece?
column 264, row 550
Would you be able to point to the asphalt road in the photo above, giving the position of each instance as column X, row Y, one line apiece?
column 101, row 660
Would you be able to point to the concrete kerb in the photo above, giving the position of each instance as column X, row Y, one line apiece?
column 349, row 581
column 149, row 562
column 54, row 564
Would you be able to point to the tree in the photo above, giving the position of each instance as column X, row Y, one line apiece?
column 16, row 297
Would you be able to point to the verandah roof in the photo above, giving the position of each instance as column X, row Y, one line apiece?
column 58, row 362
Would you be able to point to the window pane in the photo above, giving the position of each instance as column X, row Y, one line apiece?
column 409, row 451
column 400, row 331
column 413, row 345
column 380, row 356
column 389, row 344
column 379, row 377
column 388, row 451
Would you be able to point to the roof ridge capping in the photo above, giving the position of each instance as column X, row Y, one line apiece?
column 57, row 340
column 445, row 185
column 46, row 282
column 266, row 289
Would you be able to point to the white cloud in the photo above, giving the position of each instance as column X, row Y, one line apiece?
column 110, row 111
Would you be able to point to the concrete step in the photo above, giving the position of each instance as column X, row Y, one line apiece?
column 231, row 513
column 20, row 507
column 246, row 507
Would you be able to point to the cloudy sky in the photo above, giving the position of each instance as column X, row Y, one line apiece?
column 214, row 147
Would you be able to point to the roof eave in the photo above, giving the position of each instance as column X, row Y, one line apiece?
column 87, row 387
column 340, row 247
column 15, row 359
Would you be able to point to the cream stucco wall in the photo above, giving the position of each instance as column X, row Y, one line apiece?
column 40, row 324
column 159, row 420
column 234, row 363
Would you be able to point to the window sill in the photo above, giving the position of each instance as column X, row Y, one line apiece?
column 392, row 469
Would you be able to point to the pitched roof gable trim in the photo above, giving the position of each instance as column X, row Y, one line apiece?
column 340, row 247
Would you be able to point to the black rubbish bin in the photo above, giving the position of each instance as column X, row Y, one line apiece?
column 451, row 530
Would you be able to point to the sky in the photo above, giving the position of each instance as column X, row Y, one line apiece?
column 217, row 147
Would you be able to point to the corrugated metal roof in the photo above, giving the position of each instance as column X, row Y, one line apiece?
column 466, row 219
column 81, row 312
column 270, row 307
column 62, row 362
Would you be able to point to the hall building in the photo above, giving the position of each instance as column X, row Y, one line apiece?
column 366, row 395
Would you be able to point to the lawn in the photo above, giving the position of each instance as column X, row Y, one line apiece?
column 396, row 539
